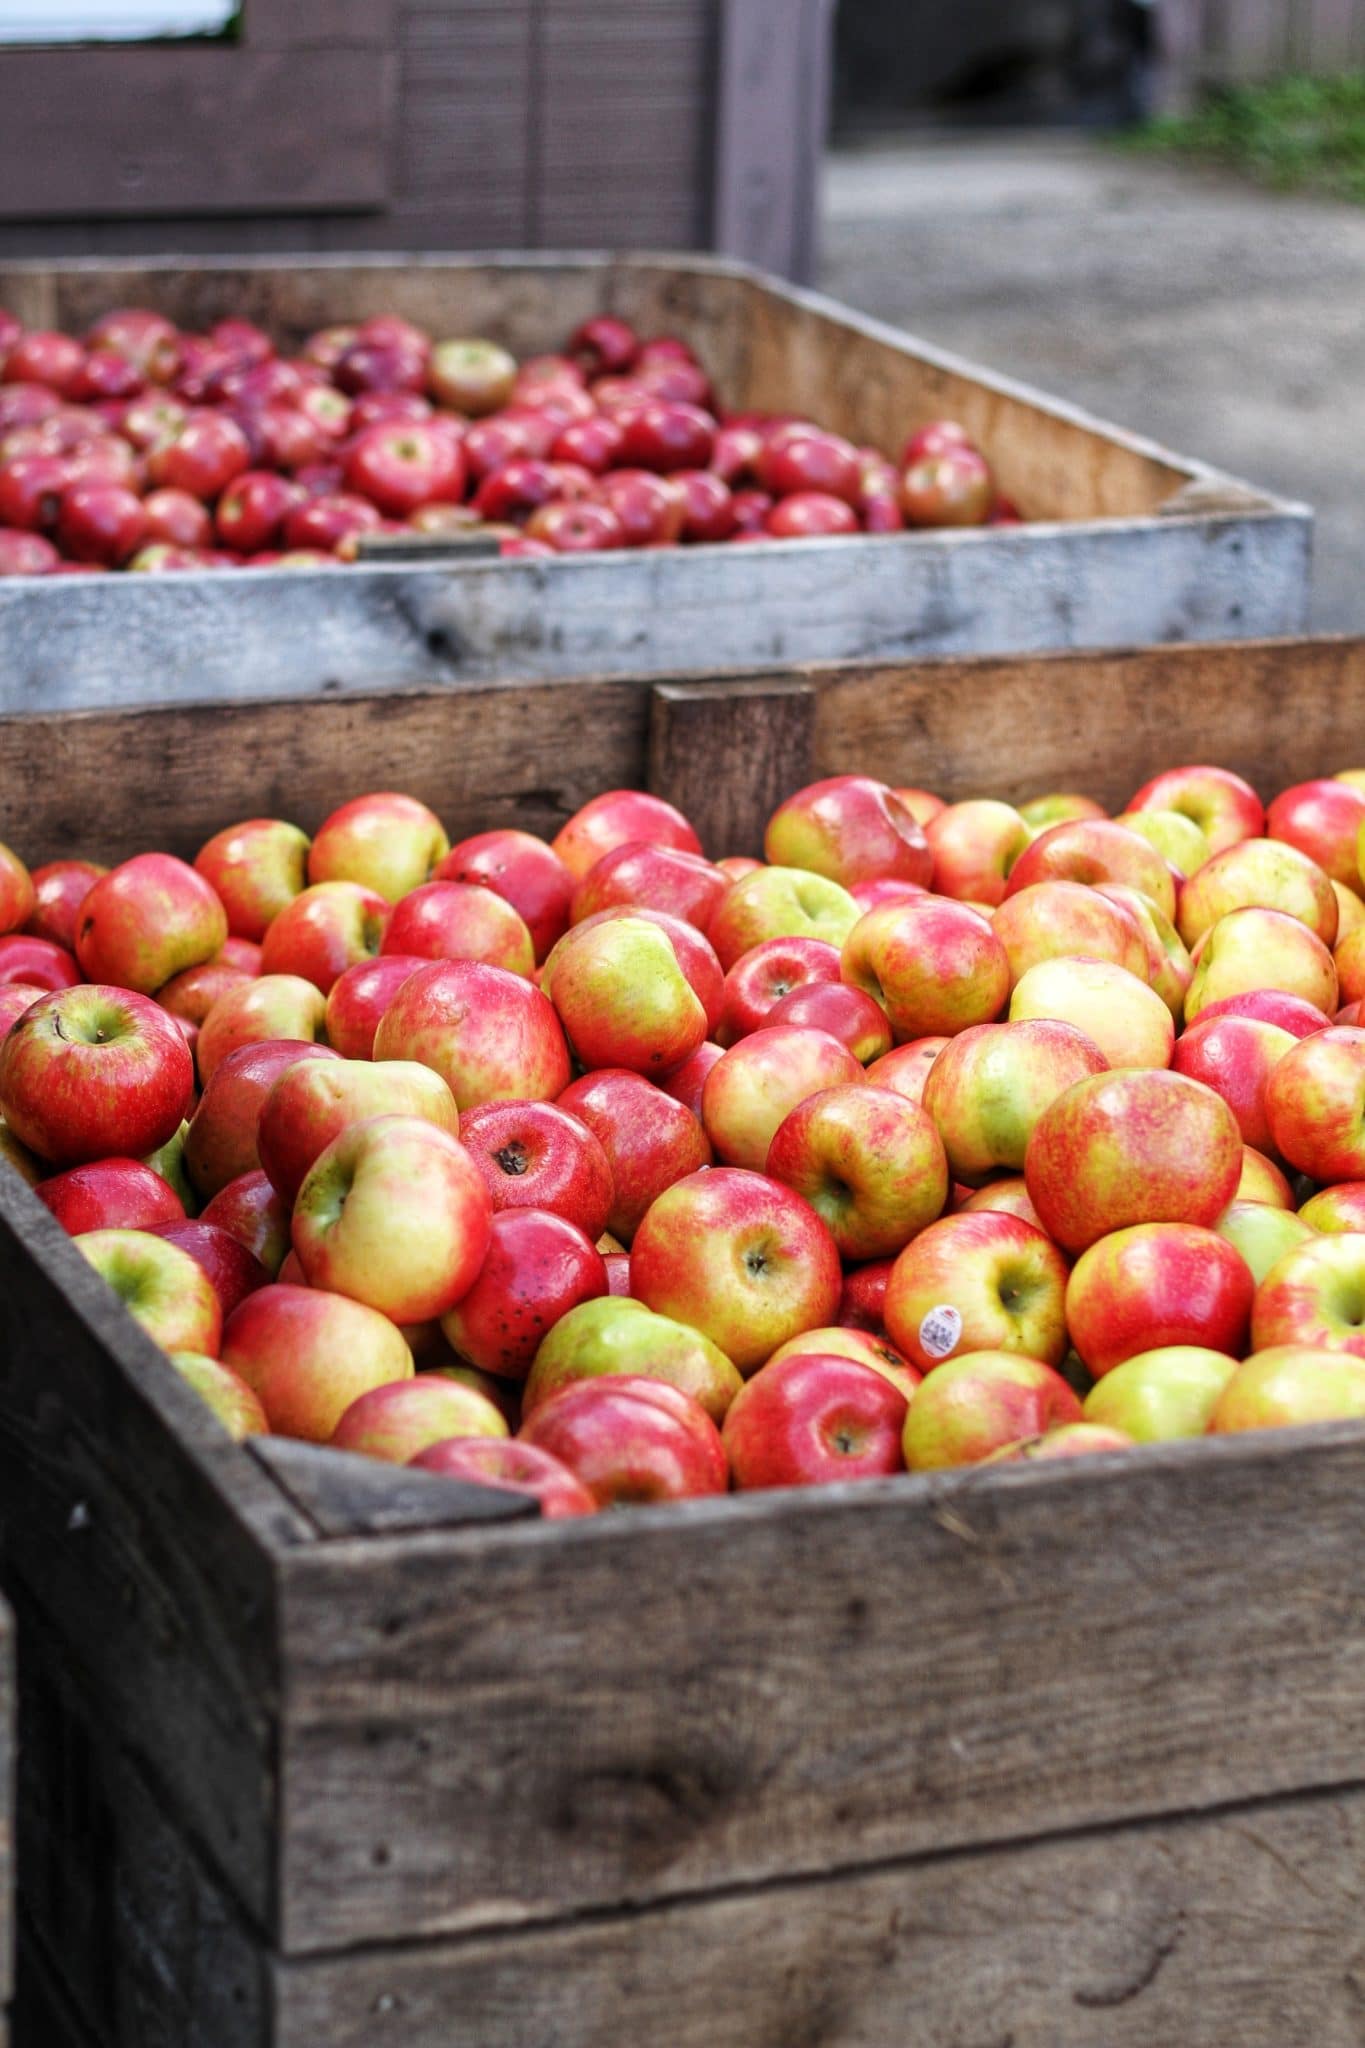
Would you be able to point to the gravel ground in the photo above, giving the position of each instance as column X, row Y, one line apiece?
column 1224, row 321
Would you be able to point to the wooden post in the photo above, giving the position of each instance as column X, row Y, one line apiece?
column 727, row 753
column 1180, row 49
column 772, row 114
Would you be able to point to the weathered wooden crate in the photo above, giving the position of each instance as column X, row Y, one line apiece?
column 1068, row 1757
column 1129, row 544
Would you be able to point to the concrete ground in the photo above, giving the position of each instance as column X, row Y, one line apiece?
column 1224, row 321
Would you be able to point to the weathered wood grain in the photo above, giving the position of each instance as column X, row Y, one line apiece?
column 156, row 128
column 728, row 753
column 755, row 1688
column 131, row 1520
column 510, row 756
column 352, row 1496
column 772, row 117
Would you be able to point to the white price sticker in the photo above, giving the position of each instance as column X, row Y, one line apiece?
column 940, row 1330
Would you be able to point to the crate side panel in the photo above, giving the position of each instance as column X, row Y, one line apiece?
column 708, row 1736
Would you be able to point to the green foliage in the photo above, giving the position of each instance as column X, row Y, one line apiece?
column 1296, row 134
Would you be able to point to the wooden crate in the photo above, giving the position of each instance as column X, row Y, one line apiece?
column 1129, row 543
column 429, row 124
column 1069, row 1757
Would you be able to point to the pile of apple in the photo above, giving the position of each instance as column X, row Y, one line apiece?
column 604, row 1171
column 142, row 447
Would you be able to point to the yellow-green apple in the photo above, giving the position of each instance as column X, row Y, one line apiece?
column 59, row 889
column 161, row 1286
column 765, row 976
column 844, row 1012
column 325, row 930
column 523, row 871
column 30, row 962
column 866, row 1346
column 988, row 1086
column 1224, row 807
column 1121, row 1015
column 650, row 1140
column 358, row 999
column 393, row 1213
column 1236, row 1057
column 1287, row 1384
column 313, row 1101
column 1141, row 1146
column 109, row 1194
column 1314, row 1295
column 255, row 868
column 1350, row 912
column 147, row 920
column 975, row 845
column 869, row 1162
column 1272, row 1006
column 780, row 903
column 537, row 1268
column 660, row 877
column 622, row 997
column 169, row 1161
column 1072, row 1440
column 1169, row 969
column 1010, row 1194
column 982, row 1280
column 221, row 1141
column 1157, row 1284
column 538, row 1155
column 812, row 1418
column 849, row 828
column 1156, row 1396
column 1066, row 920
column 1093, row 850
column 386, row 842
column 510, row 1468
column 935, row 966
column 695, row 954
column 1255, row 949
column 738, row 1257
column 490, row 1035
column 1176, row 838
column 616, row 1335
column 192, row 995
column 614, row 817
column 307, row 1354
column 906, row 1068
column 18, row 892
column 922, row 804
column 1262, row 1181
column 234, row 1271
column 1336, row 1208
column 254, row 1012
column 250, row 1210
column 1261, row 1233
column 1058, row 807
column 459, row 921
column 1323, row 819
column 224, row 1391
column 1349, row 957
column 90, row 1072
column 761, row 1080
column 397, row 1422
column 631, row 1441
column 976, row 1404
column 1315, row 1104
column 1355, row 776
column 1262, row 874
column 471, row 375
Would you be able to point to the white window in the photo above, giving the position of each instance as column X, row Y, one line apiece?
column 112, row 21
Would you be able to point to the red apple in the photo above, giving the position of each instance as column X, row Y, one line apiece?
column 460, row 921
column 977, row 1404
column 307, row 1355
column 765, row 975
column 384, row 841
column 109, row 1194
column 652, row 509
column 619, row 815
column 869, row 1162
column 93, row 1073
column 59, row 889
column 36, row 963
column 1154, row 1285
column 201, row 457
column 255, row 868
column 687, row 1083
column 221, row 1143
column 489, row 1034
column 1313, row 1296
column 623, row 997
column 800, row 458
column 311, row 1102
column 400, row 465
column 234, row 1270
column 934, row 965
column 955, row 488
column 249, row 1210
column 1224, row 807
column 509, row 1468
column 649, row 1139
column 1314, row 1101
column 631, row 1441
column 325, row 930
column 849, row 828
column 254, row 1011
column 147, row 920
column 358, row 999
column 537, row 1155
column 982, row 1280
column 811, row 1419
column 760, row 1081
column 521, row 869
column 538, row 1266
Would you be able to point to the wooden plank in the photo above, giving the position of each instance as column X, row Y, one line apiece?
column 462, row 145
column 353, row 1496
column 320, row 24
column 760, row 1688
column 146, row 1535
column 160, row 129
column 513, row 756
column 771, row 122
column 728, row 753
column 1243, row 1928
column 112, row 640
